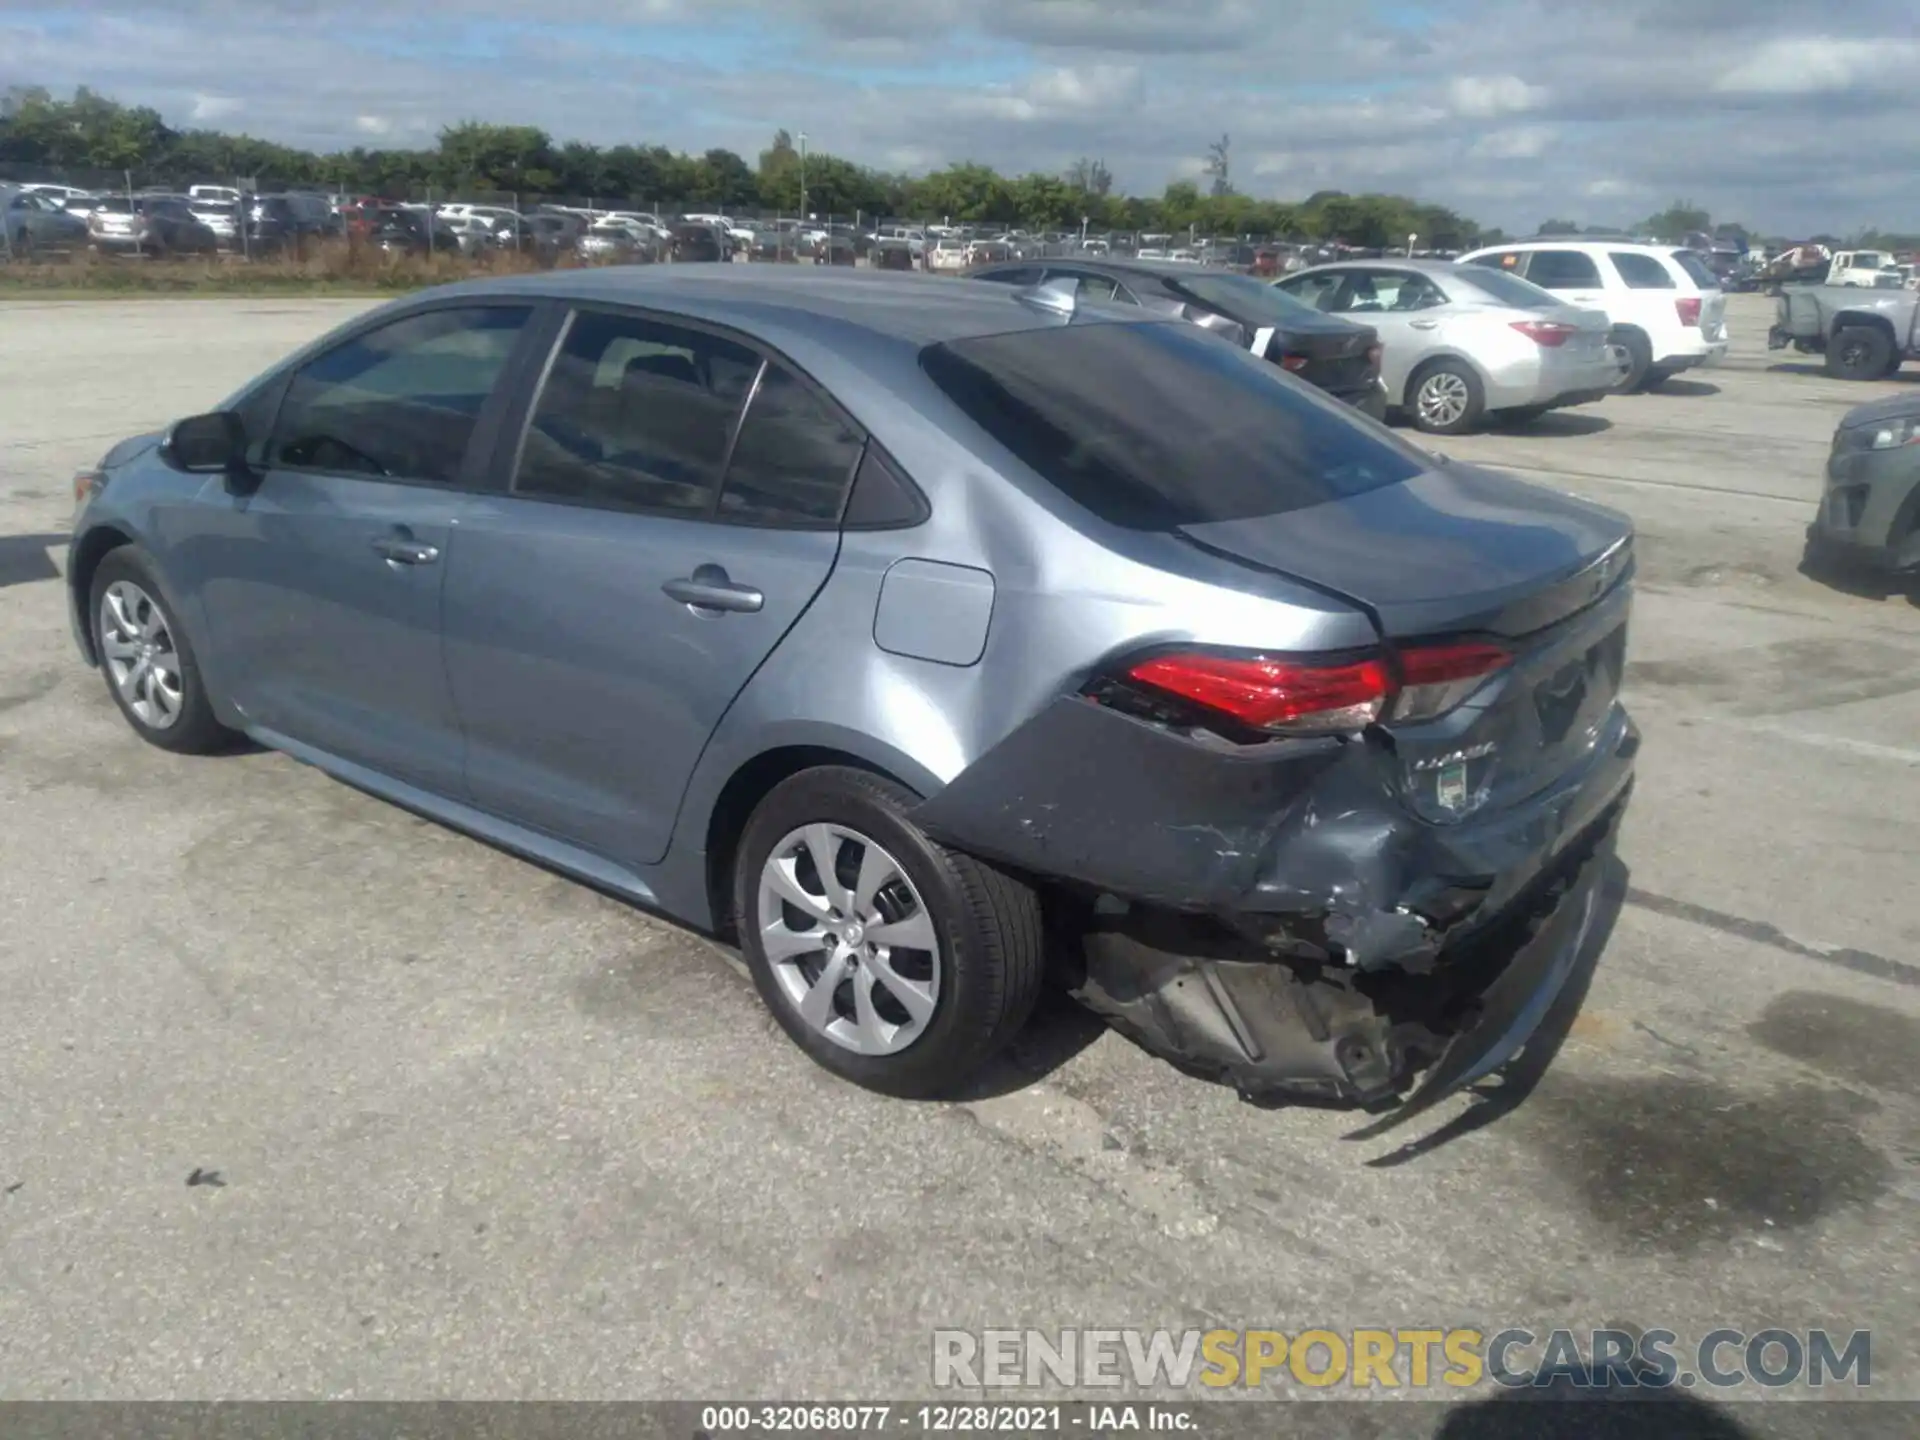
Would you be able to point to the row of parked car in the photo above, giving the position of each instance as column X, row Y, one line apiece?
column 1501, row 335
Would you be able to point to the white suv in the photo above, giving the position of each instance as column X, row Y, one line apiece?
column 1665, row 305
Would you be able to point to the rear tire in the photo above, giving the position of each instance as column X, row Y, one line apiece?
column 1860, row 352
column 1445, row 397
column 147, row 660
column 1636, row 357
column 905, row 1019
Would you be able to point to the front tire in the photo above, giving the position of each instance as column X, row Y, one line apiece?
column 1860, row 352
column 892, row 961
column 148, row 663
column 1445, row 397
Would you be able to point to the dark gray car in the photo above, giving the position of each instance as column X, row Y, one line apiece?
column 875, row 619
column 1870, row 513
column 34, row 224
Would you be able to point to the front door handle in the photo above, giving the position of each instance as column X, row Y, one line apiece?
column 1424, row 324
column 709, row 588
column 398, row 550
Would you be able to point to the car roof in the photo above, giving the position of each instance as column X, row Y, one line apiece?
column 1630, row 246
column 817, row 303
column 1397, row 262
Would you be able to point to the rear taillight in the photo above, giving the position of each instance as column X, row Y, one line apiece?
column 1689, row 309
column 1282, row 697
column 1374, row 352
column 86, row 484
column 1551, row 333
column 1435, row 678
column 1293, row 364
column 1298, row 695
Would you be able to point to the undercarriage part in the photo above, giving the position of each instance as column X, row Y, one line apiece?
column 1202, row 997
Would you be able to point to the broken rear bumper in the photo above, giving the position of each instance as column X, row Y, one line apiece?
column 1275, row 1030
column 1279, row 917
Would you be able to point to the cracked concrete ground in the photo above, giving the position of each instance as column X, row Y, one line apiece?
column 476, row 1131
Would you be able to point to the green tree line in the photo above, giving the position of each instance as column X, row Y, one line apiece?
column 90, row 133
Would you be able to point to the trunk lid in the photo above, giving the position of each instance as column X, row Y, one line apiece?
column 1462, row 552
column 1335, row 357
column 1455, row 549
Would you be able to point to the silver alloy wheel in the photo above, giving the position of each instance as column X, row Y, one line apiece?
column 1443, row 399
column 1622, row 363
column 139, row 654
column 849, row 940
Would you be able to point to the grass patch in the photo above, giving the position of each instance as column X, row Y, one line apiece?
column 339, row 268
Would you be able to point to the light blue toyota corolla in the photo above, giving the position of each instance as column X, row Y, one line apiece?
column 934, row 639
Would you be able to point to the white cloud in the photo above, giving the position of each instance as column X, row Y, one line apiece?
column 1526, row 142
column 206, row 109
column 1814, row 65
column 372, row 124
column 1484, row 97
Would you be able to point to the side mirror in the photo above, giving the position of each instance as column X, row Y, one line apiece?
column 207, row 444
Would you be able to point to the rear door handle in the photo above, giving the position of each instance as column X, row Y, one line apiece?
column 710, row 588
column 397, row 550
column 1424, row 324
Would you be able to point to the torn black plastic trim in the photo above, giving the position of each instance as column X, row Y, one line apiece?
column 1212, row 1005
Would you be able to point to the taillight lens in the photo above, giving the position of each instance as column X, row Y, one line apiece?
column 1550, row 333
column 1435, row 678
column 1293, row 364
column 1283, row 697
column 86, row 484
column 1374, row 352
column 1297, row 695
column 1689, row 309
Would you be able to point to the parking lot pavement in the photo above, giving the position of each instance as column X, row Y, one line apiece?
column 478, row 1131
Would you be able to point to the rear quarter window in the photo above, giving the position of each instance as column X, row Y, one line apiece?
column 1641, row 272
column 1696, row 269
column 1158, row 425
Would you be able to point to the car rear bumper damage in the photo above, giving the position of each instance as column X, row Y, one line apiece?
column 1286, row 924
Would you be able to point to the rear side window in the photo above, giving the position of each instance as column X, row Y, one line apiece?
column 1154, row 426
column 1025, row 275
column 398, row 402
column 635, row 415
column 1641, row 272
column 794, row 458
column 1563, row 270
column 1697, row 269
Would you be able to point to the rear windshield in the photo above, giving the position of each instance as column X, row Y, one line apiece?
column 1509, row 288
column 1157, row 425
column 1245, row 298
column 1697, row 269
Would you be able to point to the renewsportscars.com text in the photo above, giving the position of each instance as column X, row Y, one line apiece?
column 1381, row 1359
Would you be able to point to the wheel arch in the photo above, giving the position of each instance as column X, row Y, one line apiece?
column 1865, row 320
column 1450, row 354
column 83, row 563
column 721, row 820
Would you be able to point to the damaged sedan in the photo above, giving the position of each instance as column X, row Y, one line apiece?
column 936, row 641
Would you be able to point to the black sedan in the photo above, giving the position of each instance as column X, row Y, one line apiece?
column 1337, row 355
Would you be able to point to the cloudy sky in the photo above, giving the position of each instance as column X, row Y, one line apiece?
column 1791, row 115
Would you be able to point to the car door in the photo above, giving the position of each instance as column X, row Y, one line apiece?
column 1404, row 307
column 321, row 583
column 605, row 607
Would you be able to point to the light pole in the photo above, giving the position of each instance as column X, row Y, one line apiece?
column 803, row 177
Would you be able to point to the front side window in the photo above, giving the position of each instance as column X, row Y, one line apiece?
column 793, row 460
column 398, row 402
column 636, row 414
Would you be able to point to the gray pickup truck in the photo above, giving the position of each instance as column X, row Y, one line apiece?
column 1865, row 334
